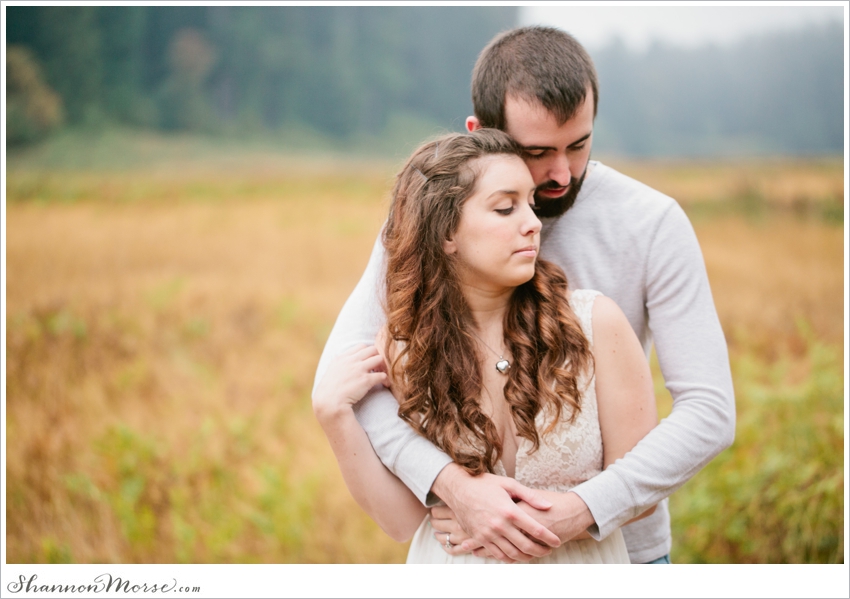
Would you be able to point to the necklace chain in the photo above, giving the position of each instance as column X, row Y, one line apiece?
column 502, row 365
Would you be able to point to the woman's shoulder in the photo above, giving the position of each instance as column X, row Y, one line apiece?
column 582, row 295
column 608, row 320
column 597, row 313
column 582, row 300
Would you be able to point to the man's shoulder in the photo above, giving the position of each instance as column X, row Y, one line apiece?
column 620, row 186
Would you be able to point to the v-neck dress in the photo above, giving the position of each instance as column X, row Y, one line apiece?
column 570, row 454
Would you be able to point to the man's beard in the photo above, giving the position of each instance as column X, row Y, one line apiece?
column 549, row 207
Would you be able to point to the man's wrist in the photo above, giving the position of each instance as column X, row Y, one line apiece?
column 575, row 518
column 445, row 485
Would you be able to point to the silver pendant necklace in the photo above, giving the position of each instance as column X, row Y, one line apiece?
column 502, row 365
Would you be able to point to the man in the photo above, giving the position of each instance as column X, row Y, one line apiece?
column 609, row 233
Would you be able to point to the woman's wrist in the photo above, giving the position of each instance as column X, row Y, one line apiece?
column 330, row 415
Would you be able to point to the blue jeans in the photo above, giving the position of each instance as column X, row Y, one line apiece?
column 661, row 560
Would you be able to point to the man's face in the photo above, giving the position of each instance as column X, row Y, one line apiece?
column 556, row 154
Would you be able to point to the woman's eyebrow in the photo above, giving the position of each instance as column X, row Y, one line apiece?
column 501, row 192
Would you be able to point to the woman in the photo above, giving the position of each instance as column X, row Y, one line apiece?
column 488, row 353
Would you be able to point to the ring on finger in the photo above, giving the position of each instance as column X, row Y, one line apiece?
column 448, row 542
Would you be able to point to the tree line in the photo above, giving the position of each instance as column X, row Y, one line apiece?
column 343, row 70
column 776, row 93
column 336, row 69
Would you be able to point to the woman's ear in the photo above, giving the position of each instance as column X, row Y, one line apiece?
column 449, row 246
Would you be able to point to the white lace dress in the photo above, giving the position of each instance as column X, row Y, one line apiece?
column 569, row 455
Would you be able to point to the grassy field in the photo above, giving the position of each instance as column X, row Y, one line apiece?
column 164, row 322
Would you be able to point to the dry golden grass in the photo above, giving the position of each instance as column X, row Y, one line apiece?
column 164, row 327
column 190, row 329
column 765, row 276
column 783, row 183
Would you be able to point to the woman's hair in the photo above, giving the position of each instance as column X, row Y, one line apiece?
column 434, row 357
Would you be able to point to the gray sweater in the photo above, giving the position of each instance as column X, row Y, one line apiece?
column 636, row 246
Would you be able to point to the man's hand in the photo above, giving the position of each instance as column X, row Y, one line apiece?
column 485, row 508
column 569, row 517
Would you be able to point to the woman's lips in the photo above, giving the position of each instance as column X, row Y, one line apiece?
column 530, row 251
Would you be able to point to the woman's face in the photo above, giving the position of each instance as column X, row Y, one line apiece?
column 498, row 238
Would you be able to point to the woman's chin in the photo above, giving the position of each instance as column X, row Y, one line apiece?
column 522, row 278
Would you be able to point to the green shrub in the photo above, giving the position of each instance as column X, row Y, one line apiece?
column 777, row 495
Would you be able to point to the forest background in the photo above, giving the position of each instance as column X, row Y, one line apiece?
column 346, row 73
column 192, row 192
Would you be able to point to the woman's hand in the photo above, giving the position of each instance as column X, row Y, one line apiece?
column 446, row 527
column 348, row 379
column 384, row 497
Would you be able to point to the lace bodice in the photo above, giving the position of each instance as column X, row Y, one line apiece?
column 568, row 455
column 572, row 452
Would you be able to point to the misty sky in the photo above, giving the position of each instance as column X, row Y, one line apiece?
column 688, row 26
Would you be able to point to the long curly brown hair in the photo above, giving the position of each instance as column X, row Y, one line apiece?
column 435, row 362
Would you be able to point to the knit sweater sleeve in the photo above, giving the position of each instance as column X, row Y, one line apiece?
column 412, row 458
column 694, row 361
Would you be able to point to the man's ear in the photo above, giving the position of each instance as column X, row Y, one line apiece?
column 472, row 123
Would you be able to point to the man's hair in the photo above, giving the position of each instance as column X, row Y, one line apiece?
column 532, row 63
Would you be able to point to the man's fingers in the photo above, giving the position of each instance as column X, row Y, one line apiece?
column 520, row 548
column 507, row 543
column 530, row 496
column 525, row 522
column 522, row 521
column 535, row 530
column 508, row 535
column 497, row 553
column 528, row 549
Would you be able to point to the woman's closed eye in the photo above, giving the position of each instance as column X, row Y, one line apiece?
column 505, row 211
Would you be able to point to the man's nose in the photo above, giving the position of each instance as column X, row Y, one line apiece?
column 559, row 170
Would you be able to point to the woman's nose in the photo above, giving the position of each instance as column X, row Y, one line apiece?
column 532, row 224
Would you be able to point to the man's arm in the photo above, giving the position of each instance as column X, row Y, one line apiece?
column 485, row 507
column 694, row 360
